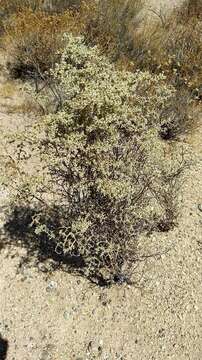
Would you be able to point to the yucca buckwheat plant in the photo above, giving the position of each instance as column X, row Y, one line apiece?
column 95, row 172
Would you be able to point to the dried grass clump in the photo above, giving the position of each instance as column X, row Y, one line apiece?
column 33, row 35
column 33, row 38
column 192, row 8
column 10, row 7
column 183, row 48
column 173, row 46
column 108, row 23
column 60, row 5
column 100, row 176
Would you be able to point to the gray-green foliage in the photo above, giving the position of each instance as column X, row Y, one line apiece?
column 102, row 177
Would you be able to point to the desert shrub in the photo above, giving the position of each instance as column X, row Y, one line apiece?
column 173, row 46
column 10, row 7
column 60, row 5
column 192, row 8
column 177, row 118
column 95, row 172
column 108, row 23
column 33, row 38
column 183, row 49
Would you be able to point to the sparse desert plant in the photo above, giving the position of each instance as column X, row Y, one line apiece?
column 177, row 117
column 95, row 174
column 60, row 5
column 10, row 7
column 192, row 8
column 183, row 48
column 173, row 46
column 108, row 23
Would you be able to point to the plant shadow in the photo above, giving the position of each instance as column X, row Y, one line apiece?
column 18, row 232
column 3, row 348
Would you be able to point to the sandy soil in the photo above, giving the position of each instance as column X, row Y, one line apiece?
column 59, row 316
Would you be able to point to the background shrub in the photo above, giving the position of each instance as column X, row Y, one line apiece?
column 193, row 8
column 177, row 118
column 95, row 173
column 173, row 46
column 9, row 7
column 108, row 23
column 33, row 38
column 60, row 5
column 180, row 43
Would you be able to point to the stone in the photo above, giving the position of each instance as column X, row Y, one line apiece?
column 52, row 286
column 66, row 315
column 200, row 207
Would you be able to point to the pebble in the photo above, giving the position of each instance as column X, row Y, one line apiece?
column 52, row 286
column 42, row 268
column 200, row 207
column 66, row 315
column 45, row 355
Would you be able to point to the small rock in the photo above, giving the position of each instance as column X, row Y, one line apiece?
column 89, row 347
column 45, row 355
column 52, row 286
column 42, row 268
column 101, row 342
column 66, row 315
column 200, row 207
